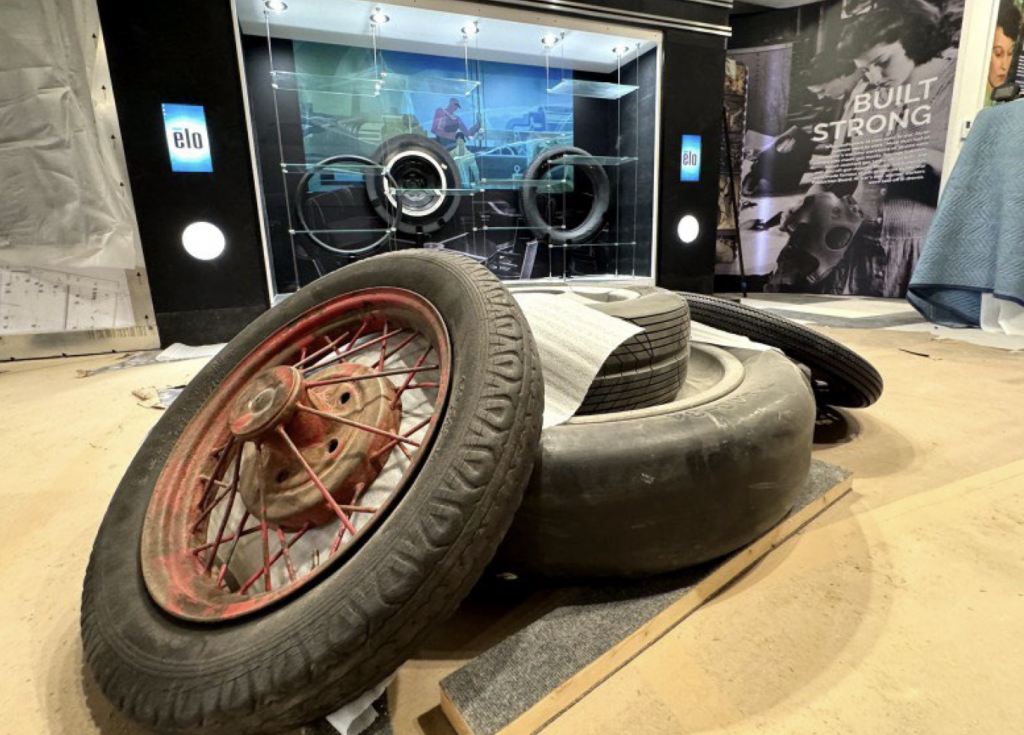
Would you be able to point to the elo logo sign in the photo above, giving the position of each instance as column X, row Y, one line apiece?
column 689, row 167
column 187, row 139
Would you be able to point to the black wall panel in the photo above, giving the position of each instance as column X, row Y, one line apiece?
column 691, row 104
column 184, row 52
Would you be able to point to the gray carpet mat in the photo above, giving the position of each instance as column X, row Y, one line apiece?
column 498, row 686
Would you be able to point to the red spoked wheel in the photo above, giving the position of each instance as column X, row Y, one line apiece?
column 295, row 457
column 324, row 491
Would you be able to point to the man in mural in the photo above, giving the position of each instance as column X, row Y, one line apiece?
column 448, row 124
column 887, row 149
column 1007, row 32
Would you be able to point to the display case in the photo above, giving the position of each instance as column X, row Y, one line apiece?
column 524, row 141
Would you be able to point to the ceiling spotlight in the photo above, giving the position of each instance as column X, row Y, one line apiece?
column 378, row 17
column 621, row 50
column 275, row 6
column 549, row 40
column 470, row 29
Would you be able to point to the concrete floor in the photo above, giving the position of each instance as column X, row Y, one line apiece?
column 899, row 610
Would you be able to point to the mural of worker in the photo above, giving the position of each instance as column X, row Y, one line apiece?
column 448, row 124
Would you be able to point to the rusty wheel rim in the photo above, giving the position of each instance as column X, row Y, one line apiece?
column 297, row 456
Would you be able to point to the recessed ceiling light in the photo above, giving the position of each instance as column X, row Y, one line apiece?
column 275, row 6
column 621, row 50
column 470, row 29
column 549, row 40
column 378, row 17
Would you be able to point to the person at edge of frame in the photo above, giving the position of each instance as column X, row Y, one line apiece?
column 1008, row 23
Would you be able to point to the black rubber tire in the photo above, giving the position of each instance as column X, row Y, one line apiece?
column 271, row 672
column 648, row 385
column 636, row 495
column 426, row 148
column 302, row 196
column 841, row 376
column 664, row 317
column 591, row 225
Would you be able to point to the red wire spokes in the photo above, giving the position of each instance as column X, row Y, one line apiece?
column 228, row 498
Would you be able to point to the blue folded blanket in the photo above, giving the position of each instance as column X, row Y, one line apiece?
column 975, row 244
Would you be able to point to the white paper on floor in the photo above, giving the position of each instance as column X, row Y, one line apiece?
column 358, row 714
column 1001, row 316
column 574, row 341
column 178, row 351
column 719, row 338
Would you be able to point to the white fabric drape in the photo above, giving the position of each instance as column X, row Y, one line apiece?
column 62, row 203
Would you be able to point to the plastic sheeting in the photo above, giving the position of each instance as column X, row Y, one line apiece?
column 65, row 201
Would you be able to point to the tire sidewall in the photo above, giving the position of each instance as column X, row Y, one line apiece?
column 429, row 149
column 590, row 226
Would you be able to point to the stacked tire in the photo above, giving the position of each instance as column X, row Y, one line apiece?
column 649, row 368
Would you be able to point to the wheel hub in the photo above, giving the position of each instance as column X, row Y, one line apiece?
column 269, row 401
column 345, row 456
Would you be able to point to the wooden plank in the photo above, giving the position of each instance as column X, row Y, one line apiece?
column 455, row 718
column 565, row 695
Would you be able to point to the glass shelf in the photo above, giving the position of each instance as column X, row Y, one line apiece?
column 354, row 230
column 352, row 86
column 593, row 160
column 505, row 228
column 427, row 84
column 587, row 88
column 592, row 245
column 435, row 190
column 544, row 184
column 525, row 136
column 344, row 168
column 371, row 86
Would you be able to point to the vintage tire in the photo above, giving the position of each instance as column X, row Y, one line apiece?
column 411, row 159
column 592, row 223
column 841, row 376
column 648, row 368
column 287, row 664
column 650, row 491
column 301, row 195
column 634, row 388
column 663, row 315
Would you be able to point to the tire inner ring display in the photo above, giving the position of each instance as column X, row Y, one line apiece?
column 421, row 182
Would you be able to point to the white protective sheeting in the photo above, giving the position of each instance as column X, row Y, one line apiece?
column 1001, row 316
column 64, row 204
column 574, row 341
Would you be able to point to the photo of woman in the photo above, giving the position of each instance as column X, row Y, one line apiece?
column 839, row 200
column 1008, row 29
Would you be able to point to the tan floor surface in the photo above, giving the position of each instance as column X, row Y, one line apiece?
column 900, row 610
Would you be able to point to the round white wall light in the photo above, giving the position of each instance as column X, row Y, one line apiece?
column 378, row 17
column 470, row 29
column 275, row 6
column 549, row 40
column 688, row 228
column 620, row 50
column 203, row 240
